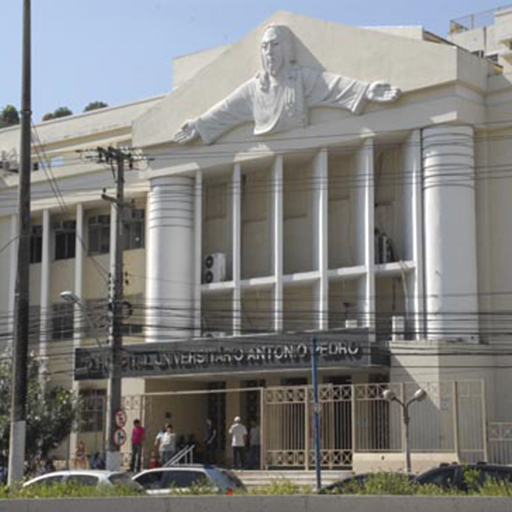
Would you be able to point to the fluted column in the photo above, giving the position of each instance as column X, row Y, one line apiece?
column 170, row 265
column 236, row 199
column 365, row 229
column 277, row 246
column 321, row 230
column 450, row 232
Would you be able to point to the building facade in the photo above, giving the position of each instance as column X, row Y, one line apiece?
column 311, row 180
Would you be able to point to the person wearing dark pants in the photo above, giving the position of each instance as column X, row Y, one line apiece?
column 238, row 434
column 210, row 443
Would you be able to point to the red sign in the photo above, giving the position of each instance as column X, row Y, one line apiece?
column 120, row 418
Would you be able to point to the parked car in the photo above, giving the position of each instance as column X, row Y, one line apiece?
column 91, row 478
column 166, row 480
column 352, row 483
column 453, row 475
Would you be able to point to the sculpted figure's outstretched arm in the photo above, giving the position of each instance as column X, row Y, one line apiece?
column 382, row 92
column 187, row 133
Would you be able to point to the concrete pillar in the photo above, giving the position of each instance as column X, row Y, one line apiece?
column 170, row 269
column 198, row 248
column 365, row 232
column 450, row 232
column 236, row 198
column 78, row 320
column 277, row 237
column 44, row 300
column 320, row 236
column 413, row 231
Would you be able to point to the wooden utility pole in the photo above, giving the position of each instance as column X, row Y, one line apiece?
column 21, row 324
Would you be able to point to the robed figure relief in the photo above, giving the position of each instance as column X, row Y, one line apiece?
column 279, row 97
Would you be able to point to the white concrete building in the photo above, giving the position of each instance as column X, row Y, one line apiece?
column 374, row 217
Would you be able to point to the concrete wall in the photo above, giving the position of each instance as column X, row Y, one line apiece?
column 261, row 504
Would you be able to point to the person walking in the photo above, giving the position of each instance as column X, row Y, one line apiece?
column 157, row 447
column 210, row 442
column 138, row 436
column 238, row 434
column 168, row 445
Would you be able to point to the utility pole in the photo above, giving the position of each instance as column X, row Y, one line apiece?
column 116, row 158
column 316, row 412
column 21, row 324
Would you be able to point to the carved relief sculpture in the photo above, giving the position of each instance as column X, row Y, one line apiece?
column 279, row 97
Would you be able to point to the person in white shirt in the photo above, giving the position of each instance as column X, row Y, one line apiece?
column 168, row 444
column 238, row 434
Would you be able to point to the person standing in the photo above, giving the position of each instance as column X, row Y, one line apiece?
column 168, row 445
column 157, row 447
column 238, row 434
column 254, row 445
column 210, row 442
column 138, row 436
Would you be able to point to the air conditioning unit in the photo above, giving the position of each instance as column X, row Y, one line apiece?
column 383, row 249
column 214, row 268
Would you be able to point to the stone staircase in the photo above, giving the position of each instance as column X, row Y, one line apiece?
column 252, row 478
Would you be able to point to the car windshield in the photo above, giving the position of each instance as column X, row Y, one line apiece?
column 233, row 479
column 125, row 480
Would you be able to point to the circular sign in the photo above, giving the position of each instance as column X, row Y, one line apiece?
column 120, row 418
column 120, row 437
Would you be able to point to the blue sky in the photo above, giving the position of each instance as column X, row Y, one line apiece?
column 120, row 51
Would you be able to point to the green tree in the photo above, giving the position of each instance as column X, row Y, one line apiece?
column 9, row 116
column 62, row 112
column 51, row 412
column 48, row 116
column 95, row 105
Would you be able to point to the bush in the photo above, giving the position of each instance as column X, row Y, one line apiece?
column 68, row 490
column 282, row 486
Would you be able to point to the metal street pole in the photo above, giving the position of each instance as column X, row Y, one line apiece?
column 21, row 325
column 316, row 413
column 116, row 336
column 418, row 396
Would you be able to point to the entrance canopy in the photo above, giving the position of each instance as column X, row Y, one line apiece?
column 336, row 349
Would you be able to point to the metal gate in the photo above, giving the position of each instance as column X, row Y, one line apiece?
column 354, row 419
column 288, row 426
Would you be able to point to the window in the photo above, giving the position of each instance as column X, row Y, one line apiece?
column 36, row 244
column 62, row 322
column 48, row 480
column 93, row 406
column 98, row 318
column 134, row 229
column 99, row 234
column 133, row 315
column 65, row 235
column 151, row 480
column 182, row 479
column 89, row 480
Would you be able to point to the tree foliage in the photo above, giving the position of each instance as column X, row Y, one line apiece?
column 60, row 112
column 51, row 412
column 9, row 116
column 95, row 105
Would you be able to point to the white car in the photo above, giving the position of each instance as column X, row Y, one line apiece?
column 92, row 478
column 180, row 478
